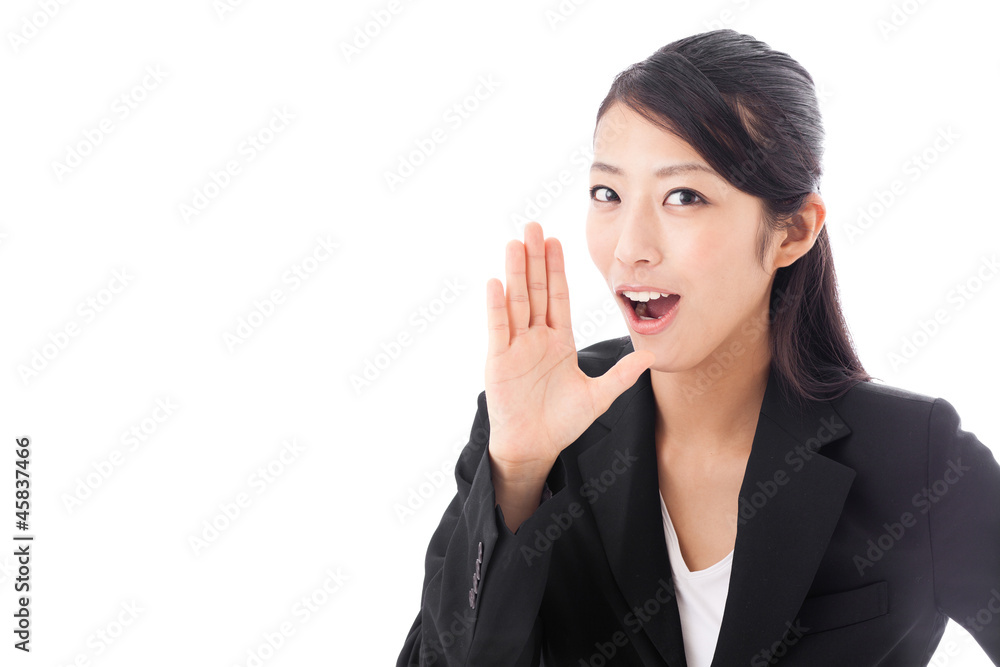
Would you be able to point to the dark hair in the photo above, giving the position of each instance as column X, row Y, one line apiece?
column 751, row 113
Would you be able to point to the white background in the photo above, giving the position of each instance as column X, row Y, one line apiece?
column 190, row 280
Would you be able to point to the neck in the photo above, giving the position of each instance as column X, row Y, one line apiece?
column 712, row 406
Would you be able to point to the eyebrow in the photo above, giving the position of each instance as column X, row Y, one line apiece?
column 662, row 172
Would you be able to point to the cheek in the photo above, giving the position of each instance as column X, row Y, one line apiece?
column 725, row 264
column 601, row 244
column 709, row 253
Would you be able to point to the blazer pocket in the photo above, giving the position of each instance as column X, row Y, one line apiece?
column 836, row 610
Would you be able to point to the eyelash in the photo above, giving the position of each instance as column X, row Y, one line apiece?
column 701, row 200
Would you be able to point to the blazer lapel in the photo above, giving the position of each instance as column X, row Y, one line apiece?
column 626, row 507
column 790, row 501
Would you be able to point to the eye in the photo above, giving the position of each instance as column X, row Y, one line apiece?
column 593, row 193
column 685, row 197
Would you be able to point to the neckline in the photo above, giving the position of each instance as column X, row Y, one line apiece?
column 675, row 550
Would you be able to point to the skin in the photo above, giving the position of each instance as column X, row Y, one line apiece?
column 643, row 229
column 694, row 234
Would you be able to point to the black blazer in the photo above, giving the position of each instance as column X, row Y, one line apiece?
column 865, row 522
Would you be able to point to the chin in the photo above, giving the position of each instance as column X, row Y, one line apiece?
column 667, row 360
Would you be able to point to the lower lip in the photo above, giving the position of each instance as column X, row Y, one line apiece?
column 648, row 327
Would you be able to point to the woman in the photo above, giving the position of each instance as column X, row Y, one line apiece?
column 725, row 485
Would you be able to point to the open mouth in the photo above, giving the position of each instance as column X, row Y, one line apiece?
column 654, row 308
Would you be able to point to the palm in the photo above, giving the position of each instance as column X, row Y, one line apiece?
column 539, row 400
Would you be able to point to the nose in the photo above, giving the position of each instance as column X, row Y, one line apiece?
column 639, row 237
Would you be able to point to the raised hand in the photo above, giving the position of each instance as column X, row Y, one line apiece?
column 539, row 400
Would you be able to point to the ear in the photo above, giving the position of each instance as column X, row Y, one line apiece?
column 800, row 235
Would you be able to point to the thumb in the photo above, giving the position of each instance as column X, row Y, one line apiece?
column 620, row 377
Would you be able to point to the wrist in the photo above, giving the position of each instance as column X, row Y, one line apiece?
column 521, row 474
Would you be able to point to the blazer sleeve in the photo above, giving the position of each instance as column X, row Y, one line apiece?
column 483, row 584
column 962, row 497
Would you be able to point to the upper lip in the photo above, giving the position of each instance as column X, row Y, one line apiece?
column 642, row 288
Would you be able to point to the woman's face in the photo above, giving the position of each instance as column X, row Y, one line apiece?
column 686, row 232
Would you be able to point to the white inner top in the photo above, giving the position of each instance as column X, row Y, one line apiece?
column 701, row 598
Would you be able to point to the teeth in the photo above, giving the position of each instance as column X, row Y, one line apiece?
column 644, row 296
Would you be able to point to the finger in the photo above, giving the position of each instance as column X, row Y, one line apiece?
column 496, row 319
column 518, row 308
column 620, row 377
column 534, row 244
column 558, row 291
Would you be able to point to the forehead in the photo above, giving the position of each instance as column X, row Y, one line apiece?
column 623, row 134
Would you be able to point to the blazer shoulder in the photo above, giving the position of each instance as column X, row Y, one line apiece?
column 877, row 392
column 596, row 359
column 890, row 406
